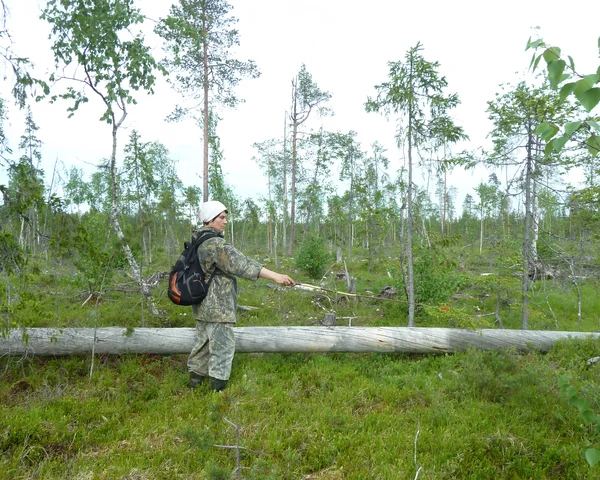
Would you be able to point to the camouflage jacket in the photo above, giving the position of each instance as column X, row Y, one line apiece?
column 222, row 261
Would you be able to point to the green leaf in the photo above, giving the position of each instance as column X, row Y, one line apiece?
column 564, row 380
column 571, row 63
column 563, row 77
column 595, row 125
column 536, row 63
column 566, row 90
column 593, row 78
column 571, row 127
column 551, row 54
column 592, row 455
column 590, row 98
column 558, row 144
column 584, row 84
column 555, row 72
column 571, row 392
column 593, row 145
column 583, row 405
column 588, row 416
column 546, row 131
column 535, row 44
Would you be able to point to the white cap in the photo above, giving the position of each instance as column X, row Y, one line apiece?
column 209, row 210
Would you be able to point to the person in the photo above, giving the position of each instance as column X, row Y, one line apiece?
column 214, row 348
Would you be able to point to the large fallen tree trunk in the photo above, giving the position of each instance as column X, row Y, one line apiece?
column 116, row 340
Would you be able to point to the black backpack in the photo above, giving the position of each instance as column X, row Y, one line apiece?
column 186, row 280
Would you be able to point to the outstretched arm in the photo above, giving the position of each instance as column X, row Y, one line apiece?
column 276, row 277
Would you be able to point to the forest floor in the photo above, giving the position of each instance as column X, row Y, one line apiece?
column 472, row 414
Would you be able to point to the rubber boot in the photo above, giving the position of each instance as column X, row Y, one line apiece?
column 196, row 379
column 217, row 385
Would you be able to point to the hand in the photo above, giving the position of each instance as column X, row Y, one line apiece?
column 284, row 280
column 276, row 277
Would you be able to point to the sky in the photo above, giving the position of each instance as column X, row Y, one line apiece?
column 346, row 46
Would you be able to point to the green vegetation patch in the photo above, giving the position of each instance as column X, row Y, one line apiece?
column 476, row 414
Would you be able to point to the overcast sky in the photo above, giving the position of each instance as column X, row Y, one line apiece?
column 346, row 46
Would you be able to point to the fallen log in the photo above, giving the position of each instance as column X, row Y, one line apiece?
column 165, row 341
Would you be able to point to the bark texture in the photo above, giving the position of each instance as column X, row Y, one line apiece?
column 165, row 341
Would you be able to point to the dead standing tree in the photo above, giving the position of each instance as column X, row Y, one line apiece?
column 306, row 96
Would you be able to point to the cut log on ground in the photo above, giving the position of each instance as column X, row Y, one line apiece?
column 165, row 341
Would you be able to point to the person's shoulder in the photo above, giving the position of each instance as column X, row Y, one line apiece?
column 212, row 240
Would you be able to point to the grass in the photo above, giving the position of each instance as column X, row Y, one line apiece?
column 473, row 414
column 469, row 415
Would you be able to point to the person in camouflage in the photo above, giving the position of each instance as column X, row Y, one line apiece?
column 221, row 263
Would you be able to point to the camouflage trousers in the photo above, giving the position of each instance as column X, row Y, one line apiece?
column 213, row 351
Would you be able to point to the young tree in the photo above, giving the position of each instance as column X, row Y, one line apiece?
column 371, row 182
column 94, row 47
column 271, row 160
column 350, row 154
column 489, row 196
column 515, row 116
column 199, row 38
column 306, row 97
column 29, row 187
column 140, row 186
column 414, row 90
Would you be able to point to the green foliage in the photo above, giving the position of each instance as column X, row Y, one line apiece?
column 94, row 257
column 578, row 396
column 285, row 413
column 447, row 317
column 193, row 29
column 11, row 253
column 585, row 90
column 313, row 256
column 436, row 272
column 416, row 89
column 92, row 34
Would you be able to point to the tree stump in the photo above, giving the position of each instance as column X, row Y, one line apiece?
column 329, row 320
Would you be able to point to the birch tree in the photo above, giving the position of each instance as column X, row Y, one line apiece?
column 96, row 49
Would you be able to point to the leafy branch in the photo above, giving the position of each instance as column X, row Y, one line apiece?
column 577, row 397
column 562, row 74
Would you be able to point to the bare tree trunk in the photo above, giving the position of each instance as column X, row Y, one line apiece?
column 527, row 237
column 270, row 225
column 275, row 240
column 48, row 202
column 205, row 86
column 481, row 232
column 293, row 187
column 445, row 206
column 167, row 341
column 285, row 187
column 409, row 228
